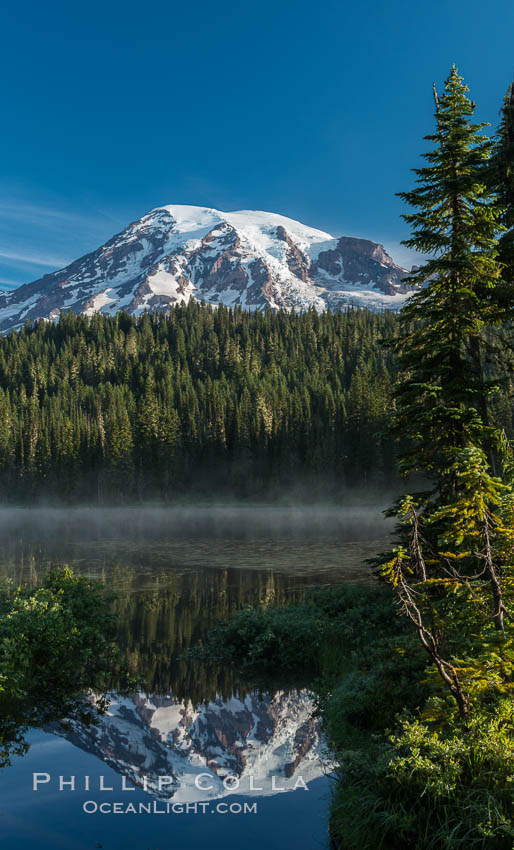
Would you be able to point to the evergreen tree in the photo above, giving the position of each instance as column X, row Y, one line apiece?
column 453, row 569
column 443, row 394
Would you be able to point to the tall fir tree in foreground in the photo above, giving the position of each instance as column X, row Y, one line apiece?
column 453, row 572
column 444, row 778
column 443, row 394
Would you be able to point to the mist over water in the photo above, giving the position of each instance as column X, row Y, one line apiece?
column 328, row 543
column 246, row 521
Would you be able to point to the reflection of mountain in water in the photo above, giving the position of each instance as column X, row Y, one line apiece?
column 258, row 745
column 202, row 728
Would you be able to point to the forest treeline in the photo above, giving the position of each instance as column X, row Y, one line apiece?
column 204, row 402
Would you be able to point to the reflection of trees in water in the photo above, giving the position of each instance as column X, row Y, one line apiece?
column 161, row 615
column 158, row 626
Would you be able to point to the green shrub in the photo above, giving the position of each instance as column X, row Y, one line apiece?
column 425, row 789
column 56, row 643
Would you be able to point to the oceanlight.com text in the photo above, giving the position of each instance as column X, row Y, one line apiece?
column 158, row 807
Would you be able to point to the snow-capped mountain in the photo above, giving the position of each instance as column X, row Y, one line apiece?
column 248, row 258
column 266, row 743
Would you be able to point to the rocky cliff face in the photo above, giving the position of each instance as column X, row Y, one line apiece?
column 247, row 258
column 265, row 743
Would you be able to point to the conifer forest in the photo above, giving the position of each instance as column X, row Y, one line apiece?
column 206, row 402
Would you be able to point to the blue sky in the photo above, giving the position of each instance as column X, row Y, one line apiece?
column 312, row 109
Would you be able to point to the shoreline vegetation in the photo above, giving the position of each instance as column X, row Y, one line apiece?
column 57, row 643
column 408, row 775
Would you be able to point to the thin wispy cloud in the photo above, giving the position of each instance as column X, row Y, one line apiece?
column 39, row 237
column 32, row 212
column 25, row 212
column 35, row 259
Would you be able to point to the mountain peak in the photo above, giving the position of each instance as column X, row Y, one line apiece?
column 248, row 258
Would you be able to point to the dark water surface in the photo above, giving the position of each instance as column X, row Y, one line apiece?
column 211, row 763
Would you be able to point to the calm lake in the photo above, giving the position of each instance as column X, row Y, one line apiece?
column 193, row 759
